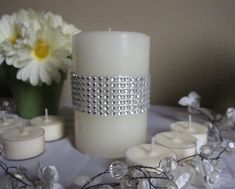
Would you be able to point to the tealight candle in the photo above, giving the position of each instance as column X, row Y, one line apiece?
column 197, row 130
column 148, row 155
column 22, row 143
column 52, row 125
column 183, row 145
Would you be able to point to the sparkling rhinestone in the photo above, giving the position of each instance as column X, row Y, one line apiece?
column 231, row 145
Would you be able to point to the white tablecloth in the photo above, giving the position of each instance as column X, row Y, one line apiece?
column 71, row 163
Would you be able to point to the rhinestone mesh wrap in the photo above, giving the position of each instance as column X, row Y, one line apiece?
column 116, row 95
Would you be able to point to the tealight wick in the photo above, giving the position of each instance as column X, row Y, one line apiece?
column 22, row 128
column 46, row 114
column 4, row 116
column 190, row 121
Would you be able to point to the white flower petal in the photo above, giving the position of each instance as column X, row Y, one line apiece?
column 184, row 101
column 69, row 29
column 43, row 74
column 34, row 76
column 194, row 95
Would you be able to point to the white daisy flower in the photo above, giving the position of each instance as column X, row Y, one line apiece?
column 41, row 56
column 56, row 21
column 192, row 100
column 9, row 33
column 39, row 45
column 9, row 29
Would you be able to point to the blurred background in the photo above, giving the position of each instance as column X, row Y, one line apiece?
column 192, row 42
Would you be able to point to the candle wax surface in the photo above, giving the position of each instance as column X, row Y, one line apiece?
column 42, row 121
column 16, row 134
column 175, row 140
column 183, row 126
column 142, row 154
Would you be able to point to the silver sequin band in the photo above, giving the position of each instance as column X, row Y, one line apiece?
column 118, row 95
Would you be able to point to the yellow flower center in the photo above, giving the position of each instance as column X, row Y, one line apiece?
column 14, row 38
column 41, row 50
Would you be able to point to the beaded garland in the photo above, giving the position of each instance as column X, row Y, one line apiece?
column 110, row 95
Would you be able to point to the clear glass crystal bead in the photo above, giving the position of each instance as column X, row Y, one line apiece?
column 205, row 151
column 168, row 164
column 118, row 169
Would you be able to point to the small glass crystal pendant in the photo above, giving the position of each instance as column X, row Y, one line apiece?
column 168, row 164
column 208, row 166
column 143, row 184
column 171, row 185
column 214, row 177
column 206, row 151
column 118, row 169
column 183, row 176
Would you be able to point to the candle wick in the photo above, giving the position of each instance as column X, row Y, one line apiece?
column 46, row 114
column 4, row 116
column 190, row 121
column 22, row 128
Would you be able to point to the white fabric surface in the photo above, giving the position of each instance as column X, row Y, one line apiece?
column 71, row 163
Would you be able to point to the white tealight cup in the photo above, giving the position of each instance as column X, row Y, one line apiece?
column 183, row 145
column 197, row 130
column 52, row 125
column 10, row 122
column 22, row 143
column 148, row 155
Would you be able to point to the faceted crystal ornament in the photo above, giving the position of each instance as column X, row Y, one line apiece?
column 206, row 151
column 183, row 176
column 214, row 177
column 118, row 169
column 168, row 164
column 137, row 173
column 143, row 184
column 208, row 166
column 171, row 185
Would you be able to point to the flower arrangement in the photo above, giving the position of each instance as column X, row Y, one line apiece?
column 38, row 45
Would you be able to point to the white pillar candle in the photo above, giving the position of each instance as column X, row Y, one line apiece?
column 110, row 53
column 148, row 155
column 52, row 125
column 182, row 144
column 197, row 130
column 19, row 144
